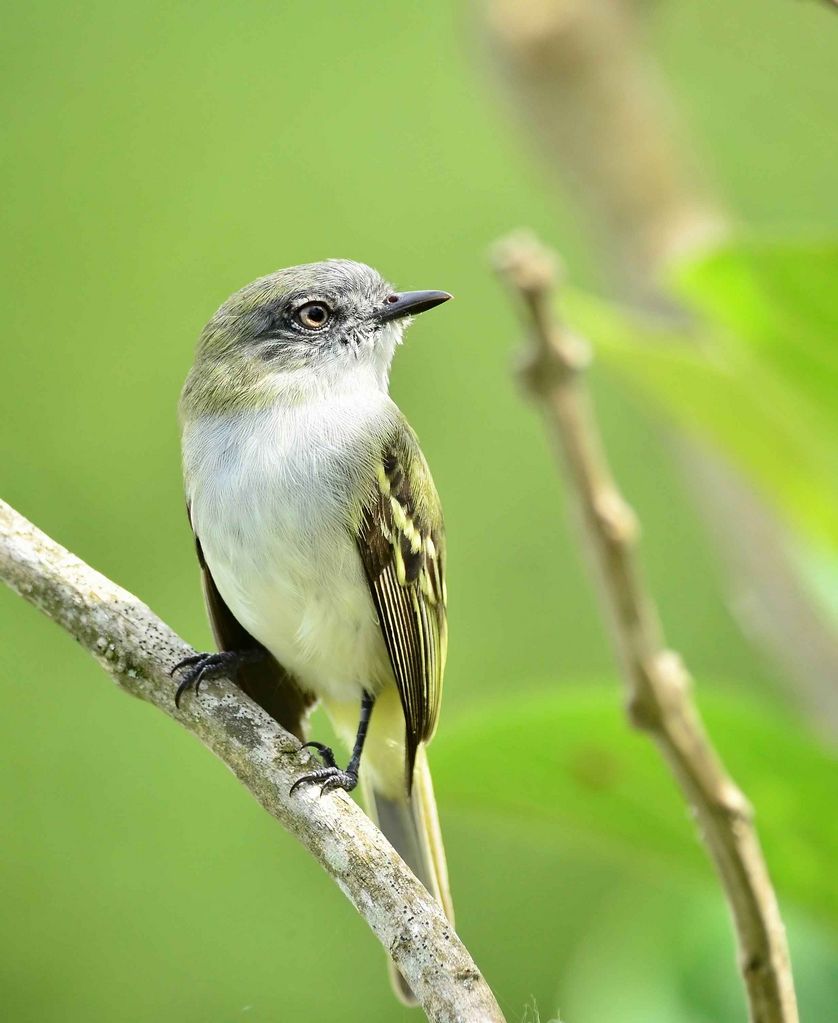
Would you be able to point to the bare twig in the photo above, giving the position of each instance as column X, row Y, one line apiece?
column 137, row 649
column 585, row 84
column 659, row 700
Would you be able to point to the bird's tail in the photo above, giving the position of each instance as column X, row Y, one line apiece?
column 411, row 824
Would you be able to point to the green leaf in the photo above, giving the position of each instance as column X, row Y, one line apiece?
column 782, row 301
column 568, row 768
column 758, row 376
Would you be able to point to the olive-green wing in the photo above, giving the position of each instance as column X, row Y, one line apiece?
column 401, row 539
column 264, row 680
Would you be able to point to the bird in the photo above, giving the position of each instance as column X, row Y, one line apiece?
column 320, row 536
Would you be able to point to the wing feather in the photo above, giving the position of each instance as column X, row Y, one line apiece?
column 401, row 541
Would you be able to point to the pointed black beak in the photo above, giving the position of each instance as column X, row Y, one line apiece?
column 409, row 303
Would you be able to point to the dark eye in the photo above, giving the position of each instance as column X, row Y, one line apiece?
column 313, row 315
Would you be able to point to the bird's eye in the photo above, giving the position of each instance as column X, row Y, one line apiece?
column 313, row 315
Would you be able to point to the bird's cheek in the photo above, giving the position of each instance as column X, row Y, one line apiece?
column 361, row 341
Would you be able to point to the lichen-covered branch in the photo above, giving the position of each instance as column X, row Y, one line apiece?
column 659, row 700
column 137, row 650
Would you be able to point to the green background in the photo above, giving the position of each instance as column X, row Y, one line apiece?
column 156, row 157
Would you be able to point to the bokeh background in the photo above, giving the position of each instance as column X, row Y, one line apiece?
column 159, row 155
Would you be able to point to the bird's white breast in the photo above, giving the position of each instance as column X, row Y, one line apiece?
column 270, row 493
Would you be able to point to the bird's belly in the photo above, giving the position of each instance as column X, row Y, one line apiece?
column 298, row 587
column 271, row 495
column 323, row 630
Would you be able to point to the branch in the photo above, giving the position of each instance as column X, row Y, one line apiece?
column 658, row 685
column 136, row 649
column 583, row 80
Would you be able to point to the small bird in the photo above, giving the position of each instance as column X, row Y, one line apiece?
column 320, row 537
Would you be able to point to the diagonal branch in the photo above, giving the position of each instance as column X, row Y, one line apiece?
column 659, row 700
column 136, row 649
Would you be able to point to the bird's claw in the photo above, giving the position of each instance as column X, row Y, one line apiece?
column 332, row 777
column 203, row 667
column 186, row 663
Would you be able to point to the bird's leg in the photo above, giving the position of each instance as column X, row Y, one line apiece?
column 331, row 775
column 201, row 667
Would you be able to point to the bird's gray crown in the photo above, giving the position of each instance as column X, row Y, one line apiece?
column 302, row 314
column 265, row 312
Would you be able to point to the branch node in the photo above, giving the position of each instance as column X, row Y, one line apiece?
column 616, row 517
column 527, row 265
column 669, row 674
column 731, row 801
column 533, row 272
column 538, row 369
column 574, row 351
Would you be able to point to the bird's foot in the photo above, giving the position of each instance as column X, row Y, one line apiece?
column 204, row 667
column 330, row 774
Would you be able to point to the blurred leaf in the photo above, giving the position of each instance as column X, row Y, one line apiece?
column 567, row 767
column 758, row 377
column 781, row 300
column 686, row 938
column 679, row 966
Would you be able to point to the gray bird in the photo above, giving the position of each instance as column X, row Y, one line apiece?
column 320, row 535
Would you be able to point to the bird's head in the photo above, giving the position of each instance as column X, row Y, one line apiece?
column 319, row 326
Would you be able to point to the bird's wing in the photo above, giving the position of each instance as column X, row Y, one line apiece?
column 264, row 680
column 401, row 539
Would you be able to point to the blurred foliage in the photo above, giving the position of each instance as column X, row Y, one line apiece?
column 157, row 156
column 757, row 375
column 581, row 772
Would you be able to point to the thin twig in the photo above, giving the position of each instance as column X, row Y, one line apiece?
column 585, row 83
column 137, row 649
column 659, row 700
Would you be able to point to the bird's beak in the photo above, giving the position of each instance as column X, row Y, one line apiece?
column 409, row 303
